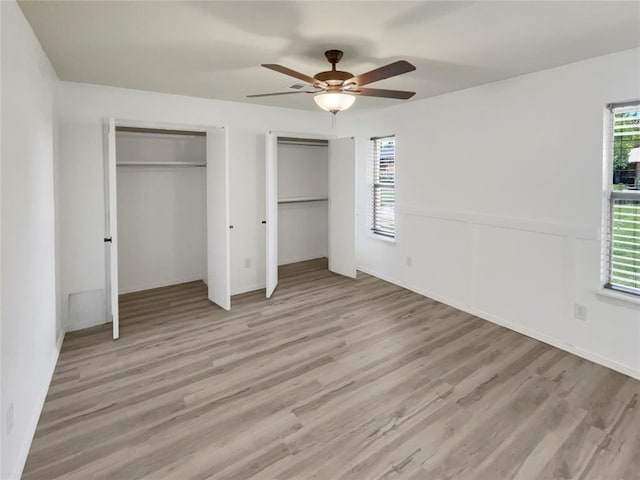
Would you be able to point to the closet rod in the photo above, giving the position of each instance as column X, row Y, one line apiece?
column 311, row 142
column 159, row 164
column 302, row 200
column 161, row 131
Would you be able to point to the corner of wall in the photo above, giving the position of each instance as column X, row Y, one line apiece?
column 24, row 448
column 29, row 147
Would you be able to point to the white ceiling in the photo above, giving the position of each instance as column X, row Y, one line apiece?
column 214, row 49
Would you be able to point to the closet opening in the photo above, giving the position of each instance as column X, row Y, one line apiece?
column 161, row 190
column 167, row 220
column 303, row 195
column 161, row 209
column 310, row 203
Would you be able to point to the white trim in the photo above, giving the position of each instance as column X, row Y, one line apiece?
column 23, row 452
column 111, row 228
column 583, row 353
column 619, row 296
column 581, row 232
column 554, row 342
column 607, row 181
column 301, row 135
column 391, row 241
column 381, row 276
column 122, row 122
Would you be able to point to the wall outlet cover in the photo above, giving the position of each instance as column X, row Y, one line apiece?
column 579, row 312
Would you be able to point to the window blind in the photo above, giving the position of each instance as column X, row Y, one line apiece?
column 384, row 179
column 624, row 205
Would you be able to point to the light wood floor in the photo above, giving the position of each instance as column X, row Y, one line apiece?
column 332, row 379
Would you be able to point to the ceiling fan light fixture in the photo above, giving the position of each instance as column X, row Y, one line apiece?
column 334, row 102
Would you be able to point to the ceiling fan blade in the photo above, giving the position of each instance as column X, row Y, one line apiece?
column 381, row 92
column 292, row 73
column 277, row 93
column 391, row 70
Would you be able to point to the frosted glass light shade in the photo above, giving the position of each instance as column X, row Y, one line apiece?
column 334, row 102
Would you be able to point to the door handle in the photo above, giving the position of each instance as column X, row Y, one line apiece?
column 108, row 240
column 264, row 222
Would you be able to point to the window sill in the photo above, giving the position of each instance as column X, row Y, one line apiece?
column 623, row 297
column 382, row 238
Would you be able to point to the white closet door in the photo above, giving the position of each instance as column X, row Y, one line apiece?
column 111, row 226
column 271, row 173
column 342, row 206
column 218, row 218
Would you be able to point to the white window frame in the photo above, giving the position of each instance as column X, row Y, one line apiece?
column 375, row 160
column 609, row 197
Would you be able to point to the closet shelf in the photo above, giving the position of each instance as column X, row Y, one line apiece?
column 160, row 164
column 302, row 200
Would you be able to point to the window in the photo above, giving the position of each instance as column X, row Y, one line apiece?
column 384, row 182
column 623, row 246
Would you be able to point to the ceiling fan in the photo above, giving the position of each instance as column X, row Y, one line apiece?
column 335, row 89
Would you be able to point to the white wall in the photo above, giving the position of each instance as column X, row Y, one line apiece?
column 303, row 231
column 161, row 211
column 31, row 335
column 303, row 171
column 160, row 148
column 486, row 213
column 499, row 191
column 81, row 110
column 2, row 410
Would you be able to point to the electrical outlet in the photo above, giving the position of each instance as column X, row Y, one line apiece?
column 247, row 263
column 10, row 418
column 409, row 261
column 579, row 312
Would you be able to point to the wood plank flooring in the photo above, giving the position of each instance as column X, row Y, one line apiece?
column 334, row 379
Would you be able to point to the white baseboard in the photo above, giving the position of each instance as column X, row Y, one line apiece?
column 381, row 276
column 580, row 352
column 554, row 342
column 23, row 453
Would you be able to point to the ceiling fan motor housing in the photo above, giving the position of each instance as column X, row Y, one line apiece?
column 334, row 78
